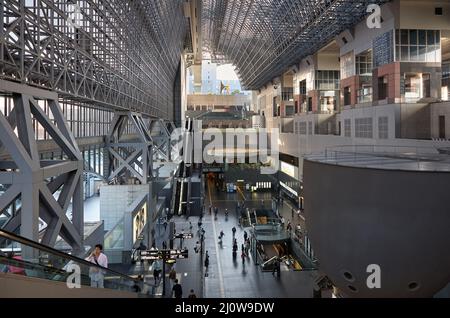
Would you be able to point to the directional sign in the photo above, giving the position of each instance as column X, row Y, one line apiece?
column 151, row 255
column 184, row 236
column 164, row 254
column 177, row 254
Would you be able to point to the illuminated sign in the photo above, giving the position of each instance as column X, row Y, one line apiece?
column 164, row 254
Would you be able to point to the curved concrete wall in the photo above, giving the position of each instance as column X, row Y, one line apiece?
column 397, row 219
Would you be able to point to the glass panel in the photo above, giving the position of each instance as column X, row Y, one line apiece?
column 422, row 37
column 404, row 53
column 413, row 37
column 404, row 37
column 414, row 53
column 422, row 53
column 430, row 38
column 23, row 257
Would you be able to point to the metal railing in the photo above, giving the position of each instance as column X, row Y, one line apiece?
column 368, row 155
column 32, row 259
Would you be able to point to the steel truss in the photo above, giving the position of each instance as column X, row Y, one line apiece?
column 263, row 38
column 129, row 157
column 117, row 54
column 135, row 158
column 44, row 188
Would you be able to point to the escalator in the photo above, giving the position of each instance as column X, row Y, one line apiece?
column 182, row 179
column 30, row 264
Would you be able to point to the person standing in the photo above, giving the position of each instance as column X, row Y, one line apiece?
column 192, row 294
column 206, row 260
column 96, row 274
column 247, row 246
column 177, row 290
column 277, row 267
column 172, row 276
column 156, row 271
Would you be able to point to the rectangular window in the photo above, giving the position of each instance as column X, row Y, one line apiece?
column 347, row 128
column 418, row 46
column 364, row 128
column 347, row 96
column 302, row 128
column 348, row 65
column 383, row 127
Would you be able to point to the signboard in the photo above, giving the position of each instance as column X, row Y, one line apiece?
column 151, row 255
column 177, row 254
column 184, row 236
column 164, row 254
column 212, row 169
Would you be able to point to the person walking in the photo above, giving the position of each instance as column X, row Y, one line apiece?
column 197, row 247
column 245, row 235
column 234, row 231
column 206, row 260
column 289, row 227
column 172, row 276
column 210, row 209
column 177, row 290
column 235, row 248
column 165, row 225
column 156, row 266
column 247, row 246
column 293, row 211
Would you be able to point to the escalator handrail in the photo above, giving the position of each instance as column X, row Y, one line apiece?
column 38, row 246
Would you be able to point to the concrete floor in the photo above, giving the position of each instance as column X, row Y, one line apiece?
column 233, row 278
column 226, row 277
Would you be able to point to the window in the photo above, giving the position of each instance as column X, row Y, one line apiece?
column 327, row 80
column 418, row 46
column 364, row 127
column 347, row 65
column 382, row 88
column 302, row 86
column 347, row 96
column 302, row 128
column 364, row 64
column 438, row 11
column 383, row 127
column 347, row 128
